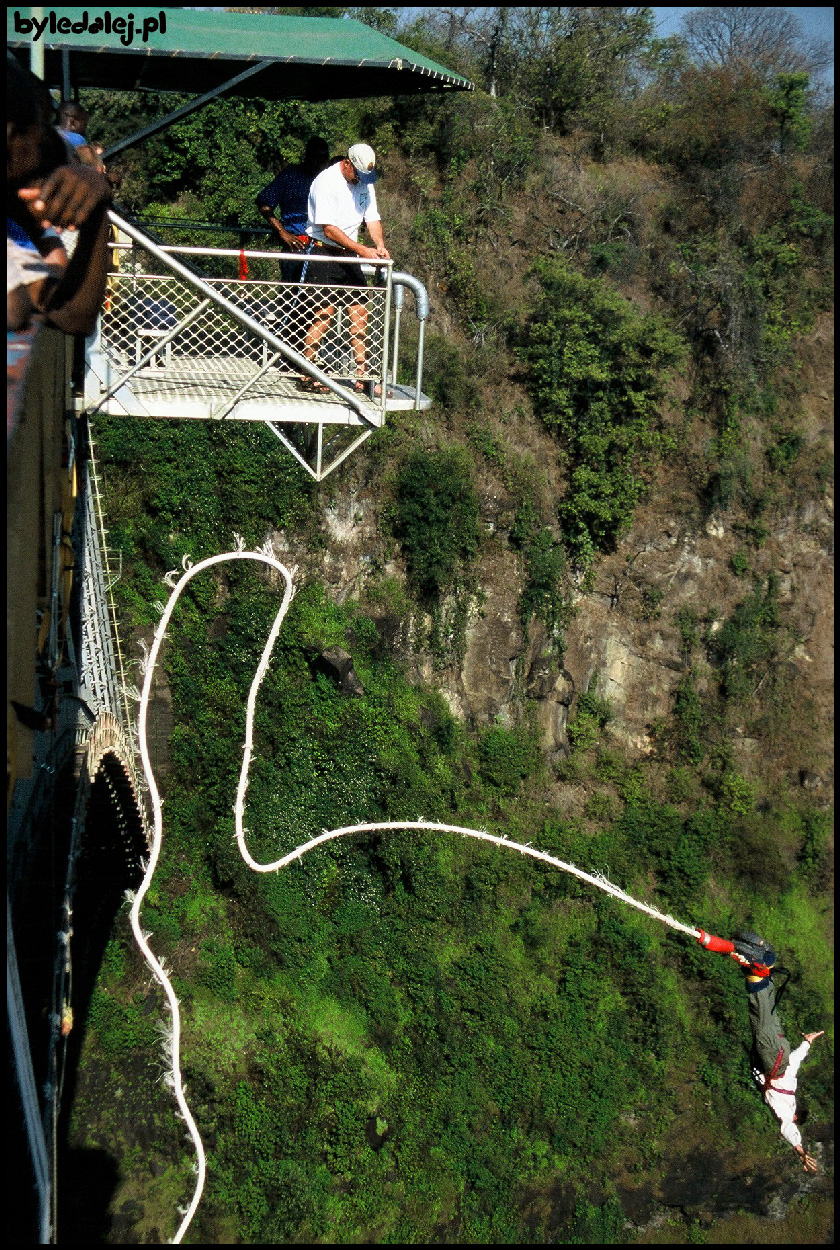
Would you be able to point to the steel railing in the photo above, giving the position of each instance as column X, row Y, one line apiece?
column 164, row 317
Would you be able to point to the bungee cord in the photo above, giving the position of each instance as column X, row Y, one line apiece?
column 172, row 1035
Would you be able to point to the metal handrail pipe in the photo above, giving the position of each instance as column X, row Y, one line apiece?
column 421, row 305
column 421, row 295
column 299, row 361
column 399, row 300
column 420, row 338
column 177, row 250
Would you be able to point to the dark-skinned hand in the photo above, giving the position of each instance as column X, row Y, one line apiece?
column 67, row 197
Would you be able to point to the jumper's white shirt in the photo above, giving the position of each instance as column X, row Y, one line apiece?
column 333, row 201
column 783, row 1104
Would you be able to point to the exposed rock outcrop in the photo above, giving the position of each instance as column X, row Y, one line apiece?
column 337, row 664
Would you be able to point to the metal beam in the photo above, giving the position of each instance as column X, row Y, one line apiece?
column 163, row 122
column 38, row 1147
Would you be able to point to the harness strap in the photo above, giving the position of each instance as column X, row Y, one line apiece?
column 774, row 1071
column 309, row 248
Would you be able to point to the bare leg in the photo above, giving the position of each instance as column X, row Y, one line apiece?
column 358, row 330
column 316, row 331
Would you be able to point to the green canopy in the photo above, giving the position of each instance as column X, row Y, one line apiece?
column 187, row 50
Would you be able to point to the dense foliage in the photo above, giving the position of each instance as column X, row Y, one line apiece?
column 436, row 519
column 419, row 1039
column 598, row 374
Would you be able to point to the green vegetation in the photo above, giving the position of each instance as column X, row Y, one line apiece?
column 746, row 648
column 599, row 372
column 436, row 519
column 593, row 714
column 419, row 1039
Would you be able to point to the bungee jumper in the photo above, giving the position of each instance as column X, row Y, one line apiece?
column 774, row 1065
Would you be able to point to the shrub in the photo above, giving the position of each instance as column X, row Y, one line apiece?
column 687, row 623
column 740, row 563
column 737, row 794
column 816, row 827
column 542, row 596
column 598, row 373
column 593, row 714
column 218, row 970
column 784, row 453
column 652, row 597
column 446, row 376
column 746, row 646
column 120, row 1027
column 436, row 519
column 507, row 756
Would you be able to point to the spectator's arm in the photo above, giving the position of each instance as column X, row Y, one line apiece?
column 291, row 242
column 87, row 154
column 74, row 196
column 74, row 305
column 32, row 274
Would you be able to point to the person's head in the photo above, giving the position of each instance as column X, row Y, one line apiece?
column 72, row 117
column 317, row 155
column 801, row 1110
column 358, row 165
column 33, row 148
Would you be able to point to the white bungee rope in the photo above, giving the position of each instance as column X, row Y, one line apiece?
column 172, row 1039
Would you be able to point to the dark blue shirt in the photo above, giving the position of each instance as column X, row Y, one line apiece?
column 288, row 196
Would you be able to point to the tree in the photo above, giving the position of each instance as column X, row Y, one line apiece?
column 484, row 29
column 767, row 41
column 559, row 62
column 579, row 64
column 789, row 102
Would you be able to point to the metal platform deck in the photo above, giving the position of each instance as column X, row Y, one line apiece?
column 207, row 389
column 176, row 344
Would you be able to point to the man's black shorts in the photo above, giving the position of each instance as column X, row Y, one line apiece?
column 349, row 275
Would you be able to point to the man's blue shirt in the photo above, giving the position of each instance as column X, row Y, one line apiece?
column 288, row 196
column 73, row 137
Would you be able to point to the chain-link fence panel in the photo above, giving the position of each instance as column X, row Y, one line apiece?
column 326, row 323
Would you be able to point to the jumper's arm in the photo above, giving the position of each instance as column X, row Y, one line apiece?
column 721, row 946
column 752, row 965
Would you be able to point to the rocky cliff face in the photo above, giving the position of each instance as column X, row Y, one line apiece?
column 624, row 631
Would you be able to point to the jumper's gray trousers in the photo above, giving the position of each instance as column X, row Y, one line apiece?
column 771, row 1045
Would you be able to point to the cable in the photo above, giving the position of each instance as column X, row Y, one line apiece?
column 172, row 1040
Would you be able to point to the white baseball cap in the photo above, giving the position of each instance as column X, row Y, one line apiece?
column 363, row 158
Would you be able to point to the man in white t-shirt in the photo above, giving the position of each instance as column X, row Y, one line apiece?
column 341, row 199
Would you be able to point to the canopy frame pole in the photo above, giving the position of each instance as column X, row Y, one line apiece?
column 200, row 100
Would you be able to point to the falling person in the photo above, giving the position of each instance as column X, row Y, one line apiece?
column 775, row 1066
